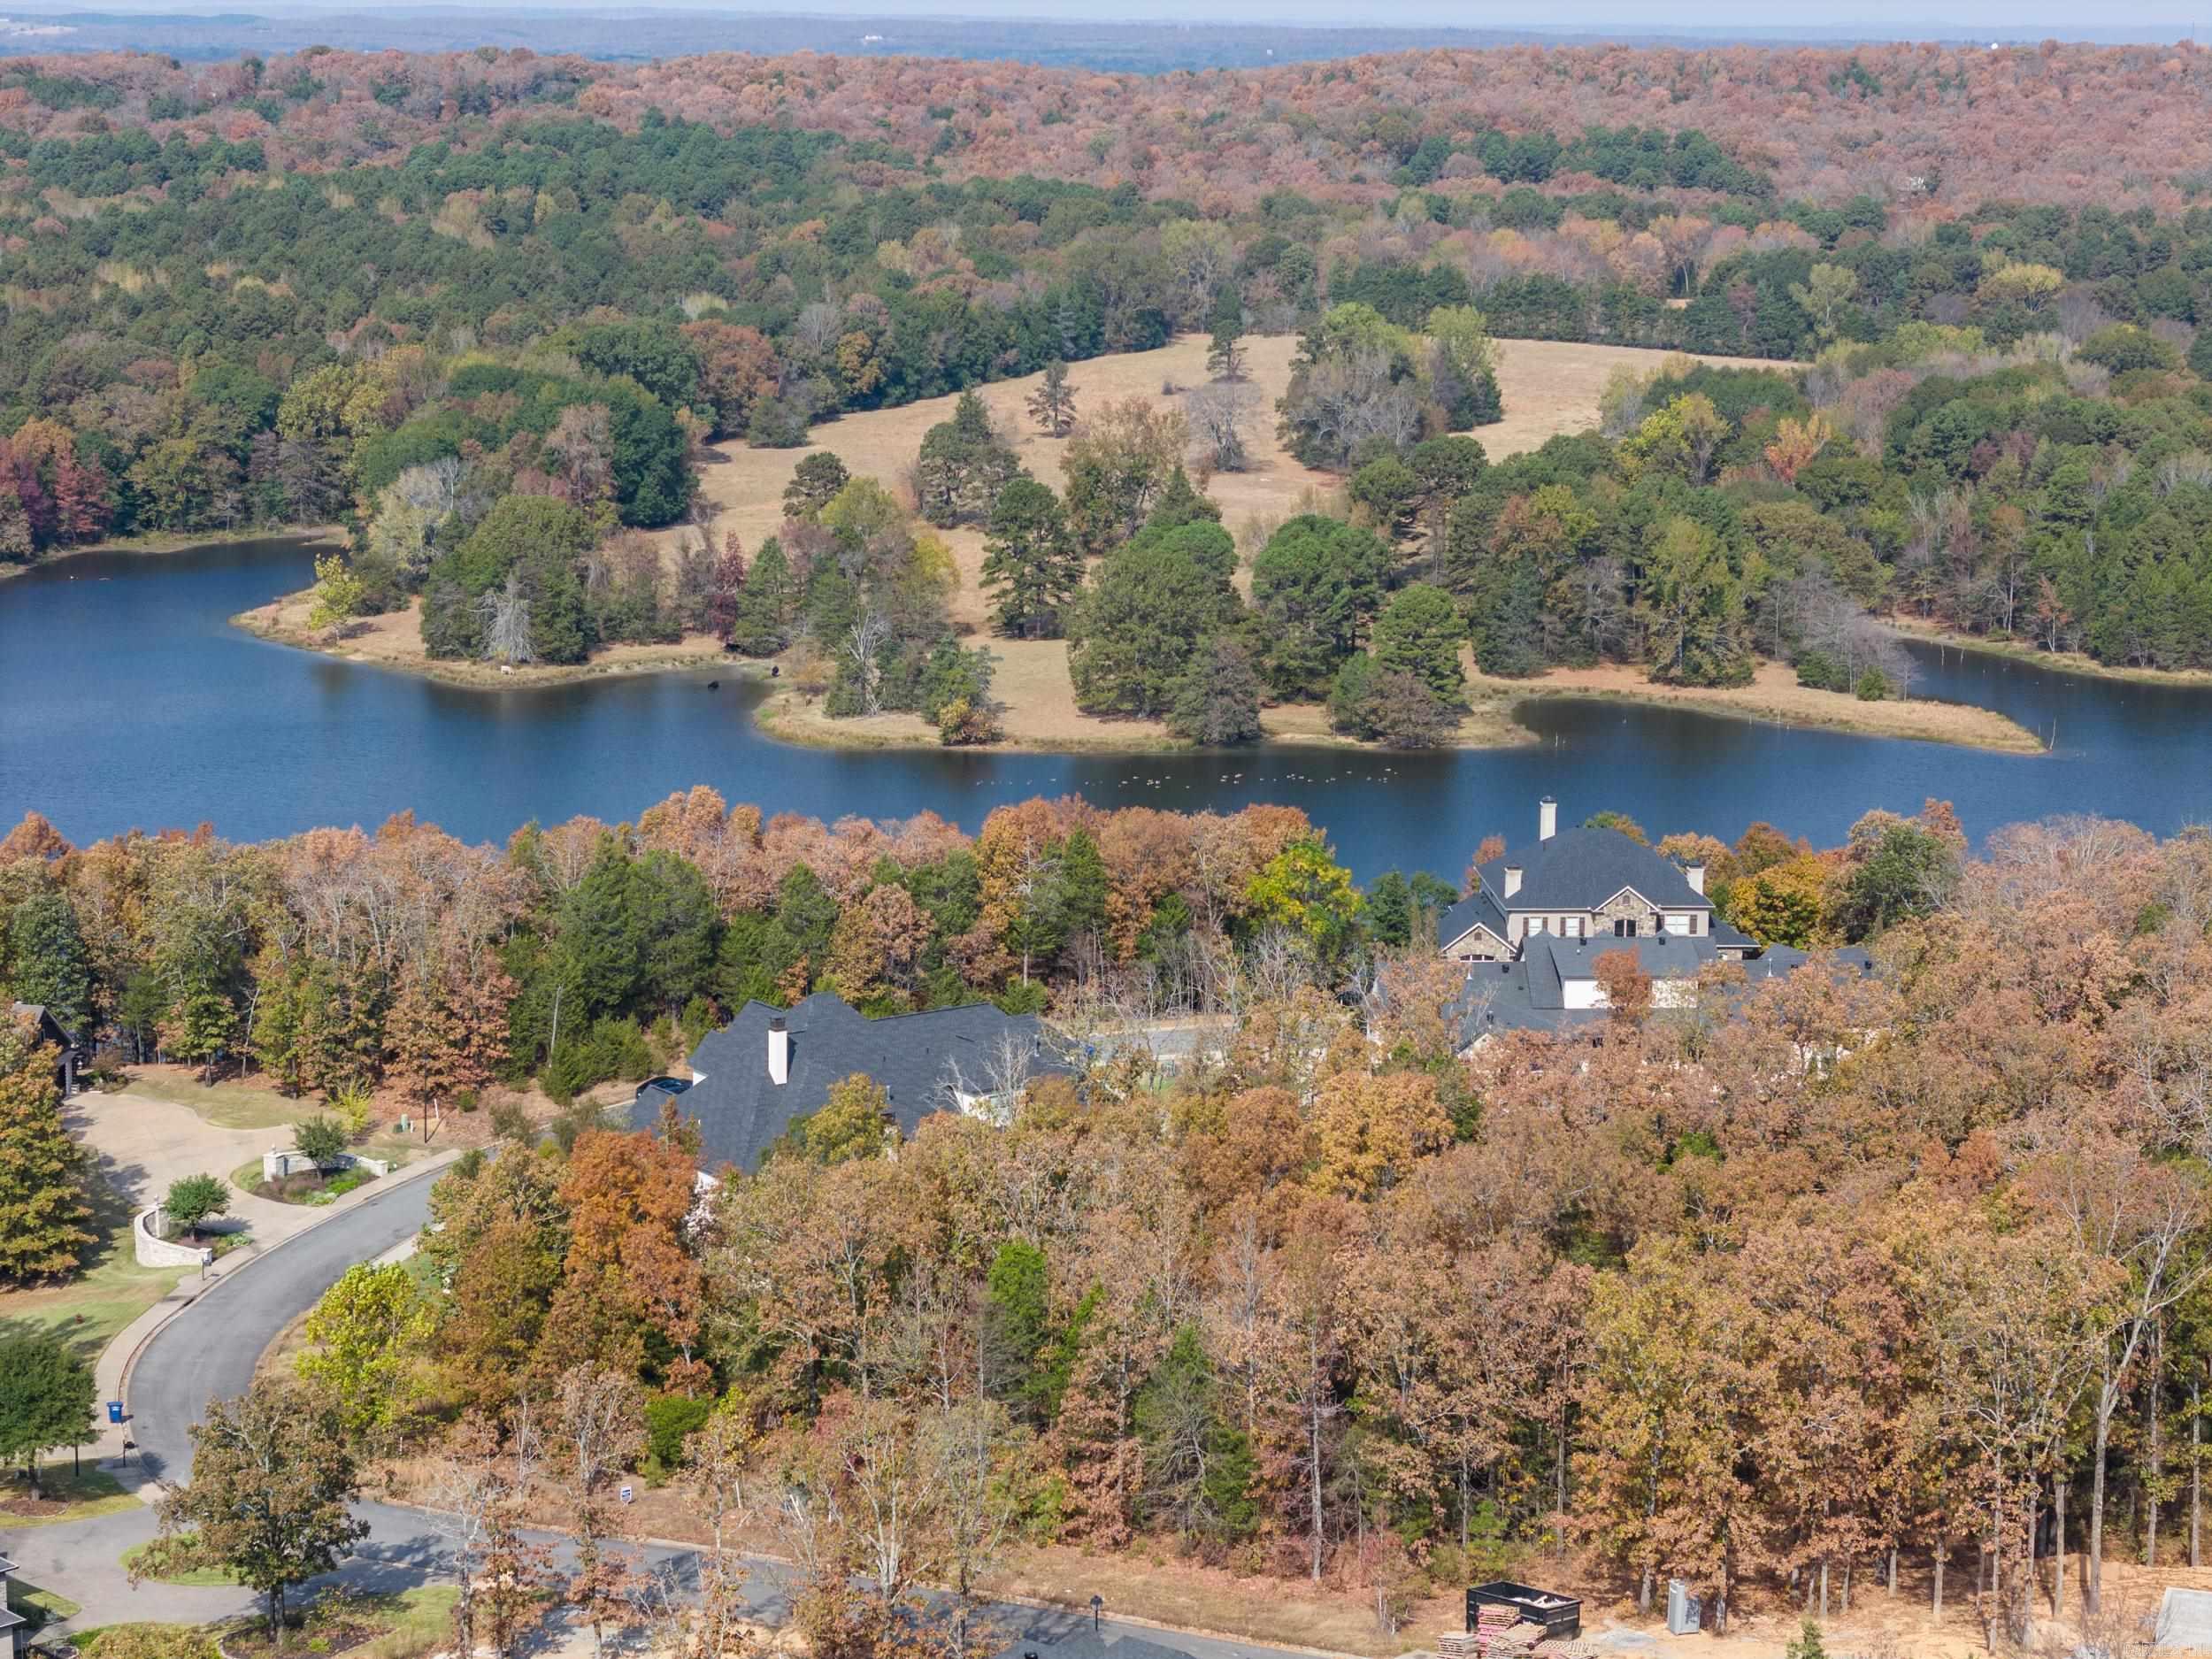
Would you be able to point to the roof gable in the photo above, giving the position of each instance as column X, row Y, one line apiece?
column 1581, row 869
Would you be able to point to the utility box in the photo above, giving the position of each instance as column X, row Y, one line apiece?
column 1685, row 1613
column 1556, row 1616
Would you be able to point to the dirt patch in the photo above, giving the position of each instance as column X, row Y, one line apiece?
column 1774, row 696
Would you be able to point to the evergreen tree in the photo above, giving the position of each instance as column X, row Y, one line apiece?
column 814, row 485
column 1148, row 605
column 1030, row 562
column 1224, row 358
column 45, row 1207
column 1217, row 697
column 45, row 958
column 1052, row 405
column 1418, row 634
column 1317, row 585
column 963, row 467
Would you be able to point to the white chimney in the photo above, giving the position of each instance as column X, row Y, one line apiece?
column 1512, row 880
column 1546, row 819
column 779, row 1051
column 1696, row 873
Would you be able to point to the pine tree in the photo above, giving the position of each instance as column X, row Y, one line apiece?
column 1225, row 358
column 48, row 953
column 1030, row 561
column 45, row 1211
column 1052, row 405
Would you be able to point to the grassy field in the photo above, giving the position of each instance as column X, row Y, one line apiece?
column 113, row 1290
column 63, row 1496
column 1549, row 387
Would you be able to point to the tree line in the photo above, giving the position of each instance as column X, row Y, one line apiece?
column 1843, row 1287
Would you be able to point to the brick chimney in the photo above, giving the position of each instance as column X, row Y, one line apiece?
column 779, row 1051
column 1546, row 819
column 1512, row 880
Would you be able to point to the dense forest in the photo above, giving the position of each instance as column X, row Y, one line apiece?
column 484, row 308
column 1878, row 1270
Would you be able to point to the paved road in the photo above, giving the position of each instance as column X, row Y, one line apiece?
column 209, row 1351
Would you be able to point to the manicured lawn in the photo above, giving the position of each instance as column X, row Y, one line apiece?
column 63, row 1496
column 40, row 1608
column 112, row 1290
column 225, row 1105
column 214, row 1578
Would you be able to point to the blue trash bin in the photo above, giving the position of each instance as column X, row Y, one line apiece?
column 115, row 1411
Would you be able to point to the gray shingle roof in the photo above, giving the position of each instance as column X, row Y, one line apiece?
column 740, row 1111
column 1579, row 869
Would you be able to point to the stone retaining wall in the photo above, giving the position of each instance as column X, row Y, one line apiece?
column 152, row 1249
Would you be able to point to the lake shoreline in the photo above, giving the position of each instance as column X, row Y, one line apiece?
column 791, row 718
column 277, row 623
column 159, row 543
column 1775, row 699
column 2059, row 662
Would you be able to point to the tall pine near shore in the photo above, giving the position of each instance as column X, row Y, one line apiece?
column 45, row 1211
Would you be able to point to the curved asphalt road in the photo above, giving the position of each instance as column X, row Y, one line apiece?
column 209, row 1350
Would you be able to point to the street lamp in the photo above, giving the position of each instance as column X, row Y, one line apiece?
column 1098, row 1603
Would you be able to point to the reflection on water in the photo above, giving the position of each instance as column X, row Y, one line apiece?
column 126, row 699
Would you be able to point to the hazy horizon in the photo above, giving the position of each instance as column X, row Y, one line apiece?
column 1898, row 19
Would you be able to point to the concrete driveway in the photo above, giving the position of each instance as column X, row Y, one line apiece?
column 144, row 1143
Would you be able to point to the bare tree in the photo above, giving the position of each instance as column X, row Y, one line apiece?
column 863, row 645
column 1221, row 415
column 599, row 1418
column 507, row 623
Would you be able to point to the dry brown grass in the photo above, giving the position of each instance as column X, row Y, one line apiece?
column 1774, row 696
column 1549, row 387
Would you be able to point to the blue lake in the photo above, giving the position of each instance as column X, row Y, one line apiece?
column 127, row 700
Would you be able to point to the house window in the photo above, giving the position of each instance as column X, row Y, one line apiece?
column 1624, row 928
column 1574, row 927
column 1535, row 923
column 1677, row 923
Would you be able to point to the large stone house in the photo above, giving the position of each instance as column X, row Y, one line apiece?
column 1578, row 884
column 770, row 1067
column 1534, row 929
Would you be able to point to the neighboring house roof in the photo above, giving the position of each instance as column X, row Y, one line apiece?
column 1527, row 994
column 1730, row 938
column 39, row 1014
column 1580, row 869
column 1661, row 955
column 741, row 1111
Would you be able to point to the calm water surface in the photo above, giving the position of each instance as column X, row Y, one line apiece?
column 127, row 700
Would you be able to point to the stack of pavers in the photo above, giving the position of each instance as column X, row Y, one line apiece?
column 1456, row 1644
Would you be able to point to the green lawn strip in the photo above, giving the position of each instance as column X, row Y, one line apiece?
column 92, row 1308
column 205, row 1578
column 40, row 1608
column 65, row 1496
column 422, row 1621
